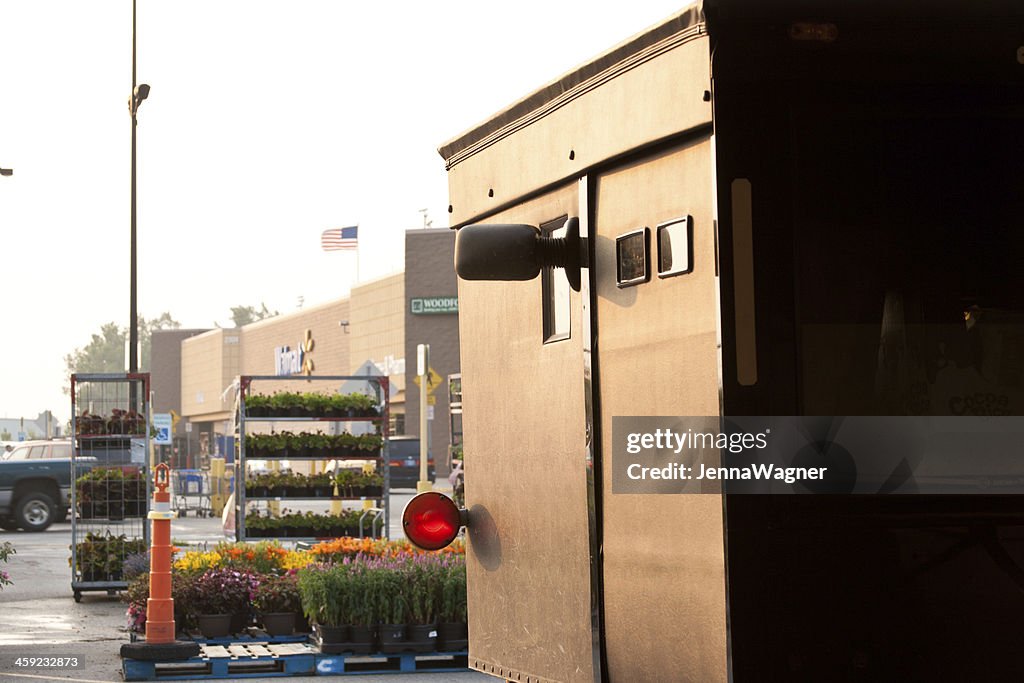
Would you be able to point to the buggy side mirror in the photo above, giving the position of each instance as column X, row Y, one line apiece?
column 517, row 252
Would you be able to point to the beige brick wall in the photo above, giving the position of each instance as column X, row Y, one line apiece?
column 376, row 331
column 378, row 326
column 330, row 354
column 209, row 363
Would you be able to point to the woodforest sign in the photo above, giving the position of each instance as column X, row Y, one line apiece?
column 434, row 305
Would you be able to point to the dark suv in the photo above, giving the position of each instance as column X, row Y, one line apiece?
column 35, row 483
column 404, row 458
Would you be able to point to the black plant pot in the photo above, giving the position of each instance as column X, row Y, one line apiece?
column 333, row 635
column 452, row 636
column 301, row 623
column 214, row 625
column 90, row 575
column 362, row 639
column 278, row 491
column 393, row 638
column 323, row 490
column 278, row 623
column 239, row 622
column 422, row 637
column 256, row 411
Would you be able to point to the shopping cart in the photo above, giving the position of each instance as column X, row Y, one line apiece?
column 191, row 492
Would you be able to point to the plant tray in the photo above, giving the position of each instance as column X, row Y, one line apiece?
column 250, row 635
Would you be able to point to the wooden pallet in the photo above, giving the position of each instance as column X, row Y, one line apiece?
column 250, row 635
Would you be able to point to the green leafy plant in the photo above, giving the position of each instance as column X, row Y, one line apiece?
column 453, row 595
column 103, row 556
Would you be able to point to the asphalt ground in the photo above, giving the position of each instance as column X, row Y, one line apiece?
column 39, row 617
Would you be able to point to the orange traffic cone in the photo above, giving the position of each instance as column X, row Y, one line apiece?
column 160, row 642
column 160, row 607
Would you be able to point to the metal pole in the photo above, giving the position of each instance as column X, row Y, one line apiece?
column 133, row 324
column 423, row 370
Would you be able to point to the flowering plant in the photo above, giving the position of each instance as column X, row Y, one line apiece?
column 223, row 591
column 276, row 594
column 136, row 564
column 340, row 548
column 261, row 558
column 6, row 550
column 137, row 593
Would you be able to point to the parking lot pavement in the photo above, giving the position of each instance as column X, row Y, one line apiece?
column 39, row 617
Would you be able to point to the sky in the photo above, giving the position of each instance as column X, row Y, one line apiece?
column 267, row 123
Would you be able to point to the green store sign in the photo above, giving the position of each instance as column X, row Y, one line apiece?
column 434, row 305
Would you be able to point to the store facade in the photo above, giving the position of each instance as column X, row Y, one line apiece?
column 372, row 331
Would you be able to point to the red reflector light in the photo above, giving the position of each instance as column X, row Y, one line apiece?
column 396, row 463
column 431, row 520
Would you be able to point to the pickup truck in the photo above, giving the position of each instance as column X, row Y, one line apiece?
column 35, row 485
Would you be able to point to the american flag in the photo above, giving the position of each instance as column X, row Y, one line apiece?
column 340, row 238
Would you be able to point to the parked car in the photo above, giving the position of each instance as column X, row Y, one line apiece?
column 404, row 460
column 35, row 484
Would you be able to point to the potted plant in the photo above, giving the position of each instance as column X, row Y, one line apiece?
column 278, row 601
column 330, row 596
column 101, row 558
column 423, row 585
column 257, row 405
column 392, row 608
column 316, row 405
column 276, row 484
column 256, row 487
column 137, row 595
column 369, row 445
column 451, row 629
column 260, row 526
column 322, row 485
column 220, row 593
column 345, row 478
column 368, row 485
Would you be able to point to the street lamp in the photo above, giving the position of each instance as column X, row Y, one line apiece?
column 139, row 93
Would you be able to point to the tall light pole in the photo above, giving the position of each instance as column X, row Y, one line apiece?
column 139, row 93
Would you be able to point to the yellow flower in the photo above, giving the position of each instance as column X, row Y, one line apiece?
column 295, row 559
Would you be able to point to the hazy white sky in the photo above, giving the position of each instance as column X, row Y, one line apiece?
column 268, row 122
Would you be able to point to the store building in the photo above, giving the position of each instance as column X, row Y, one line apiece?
column 372, row 331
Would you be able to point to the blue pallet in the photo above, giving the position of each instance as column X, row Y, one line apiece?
column 348, row 664
column 304, row 664
column 209, row 667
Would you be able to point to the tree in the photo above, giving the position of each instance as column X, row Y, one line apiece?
column 243, row 315
column 5, row 436
column 105, row 352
